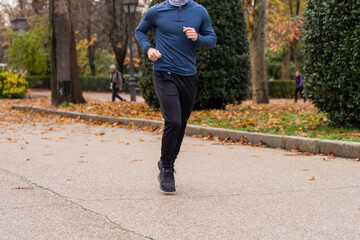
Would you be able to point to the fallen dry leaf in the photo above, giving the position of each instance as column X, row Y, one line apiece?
column 256, row 156
column 27, row 159
column 331, row 155
column 24, row 188
column 141, row 140
column 311, row 179
column 136, row 160
column 120, row 141
column 22, row 148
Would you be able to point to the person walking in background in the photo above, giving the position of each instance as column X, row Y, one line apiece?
column 180, row 27
column 299, row 87
column 116, row 83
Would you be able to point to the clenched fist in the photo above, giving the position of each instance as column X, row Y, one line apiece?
column 154, row 54
column 190, row 33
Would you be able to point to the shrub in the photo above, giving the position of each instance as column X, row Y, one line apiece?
column 332, row 59
column 281, row 88
column 37, row 81
column 100, row 84
column 29, row 49
column 13, row 84
column 224, row 72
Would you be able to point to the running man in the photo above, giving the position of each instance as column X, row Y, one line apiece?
column 180, row 26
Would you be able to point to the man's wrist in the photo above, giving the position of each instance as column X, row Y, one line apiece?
column 148, row 48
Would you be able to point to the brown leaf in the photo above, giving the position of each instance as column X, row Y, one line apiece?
column 24, row 188
column 135, row 160
column 141, row 140
column 256, row 156
column 311, row 179
column 27, row 159
column 331, row 155
column 100, row 134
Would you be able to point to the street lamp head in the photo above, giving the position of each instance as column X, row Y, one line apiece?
column 19, row 24
column 129, row 6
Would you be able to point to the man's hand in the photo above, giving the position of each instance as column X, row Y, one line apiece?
column 154, row 54
column 190, row 33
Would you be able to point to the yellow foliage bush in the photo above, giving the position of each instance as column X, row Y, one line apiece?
column 13, row 84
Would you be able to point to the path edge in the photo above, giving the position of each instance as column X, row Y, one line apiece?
column 303, row 144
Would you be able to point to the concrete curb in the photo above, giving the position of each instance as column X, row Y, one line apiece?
column 317, row 146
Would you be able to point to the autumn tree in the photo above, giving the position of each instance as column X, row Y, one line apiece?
column 285, row 21
column 64, row 65
column 29, row 49
column 112, row 23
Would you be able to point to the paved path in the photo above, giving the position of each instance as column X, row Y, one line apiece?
column 88, row 95
column 90, row 182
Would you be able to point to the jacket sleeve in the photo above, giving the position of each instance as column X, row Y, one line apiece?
column 145, row 25
column 207, row 37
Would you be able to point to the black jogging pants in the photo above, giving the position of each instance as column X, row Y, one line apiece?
column 176, row 95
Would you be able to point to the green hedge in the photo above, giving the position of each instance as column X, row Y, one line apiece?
column 331, row 46
column 88, row 83
column 277, row 88
column 37, row 81
column 101, row 84
column 282, row 89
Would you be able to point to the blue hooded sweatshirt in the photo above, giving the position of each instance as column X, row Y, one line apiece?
column 178, row 52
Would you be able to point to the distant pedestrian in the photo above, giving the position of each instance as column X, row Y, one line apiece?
column 299, row 87
column 116, row 83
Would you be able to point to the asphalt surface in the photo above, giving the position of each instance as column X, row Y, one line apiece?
column 78, row 181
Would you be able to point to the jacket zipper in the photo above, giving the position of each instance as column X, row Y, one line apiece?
column 179, row 15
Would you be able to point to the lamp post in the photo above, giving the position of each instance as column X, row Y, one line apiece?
column 129, row 7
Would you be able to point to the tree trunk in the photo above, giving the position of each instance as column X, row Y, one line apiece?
column 76, row 90
column 55, row 96
column 293, row 44
column 257, row 53
column 89, row 32
column 63, row 53
column 91, row 52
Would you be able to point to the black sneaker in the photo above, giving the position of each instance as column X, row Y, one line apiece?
column 167, row 180
column 160, row 165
